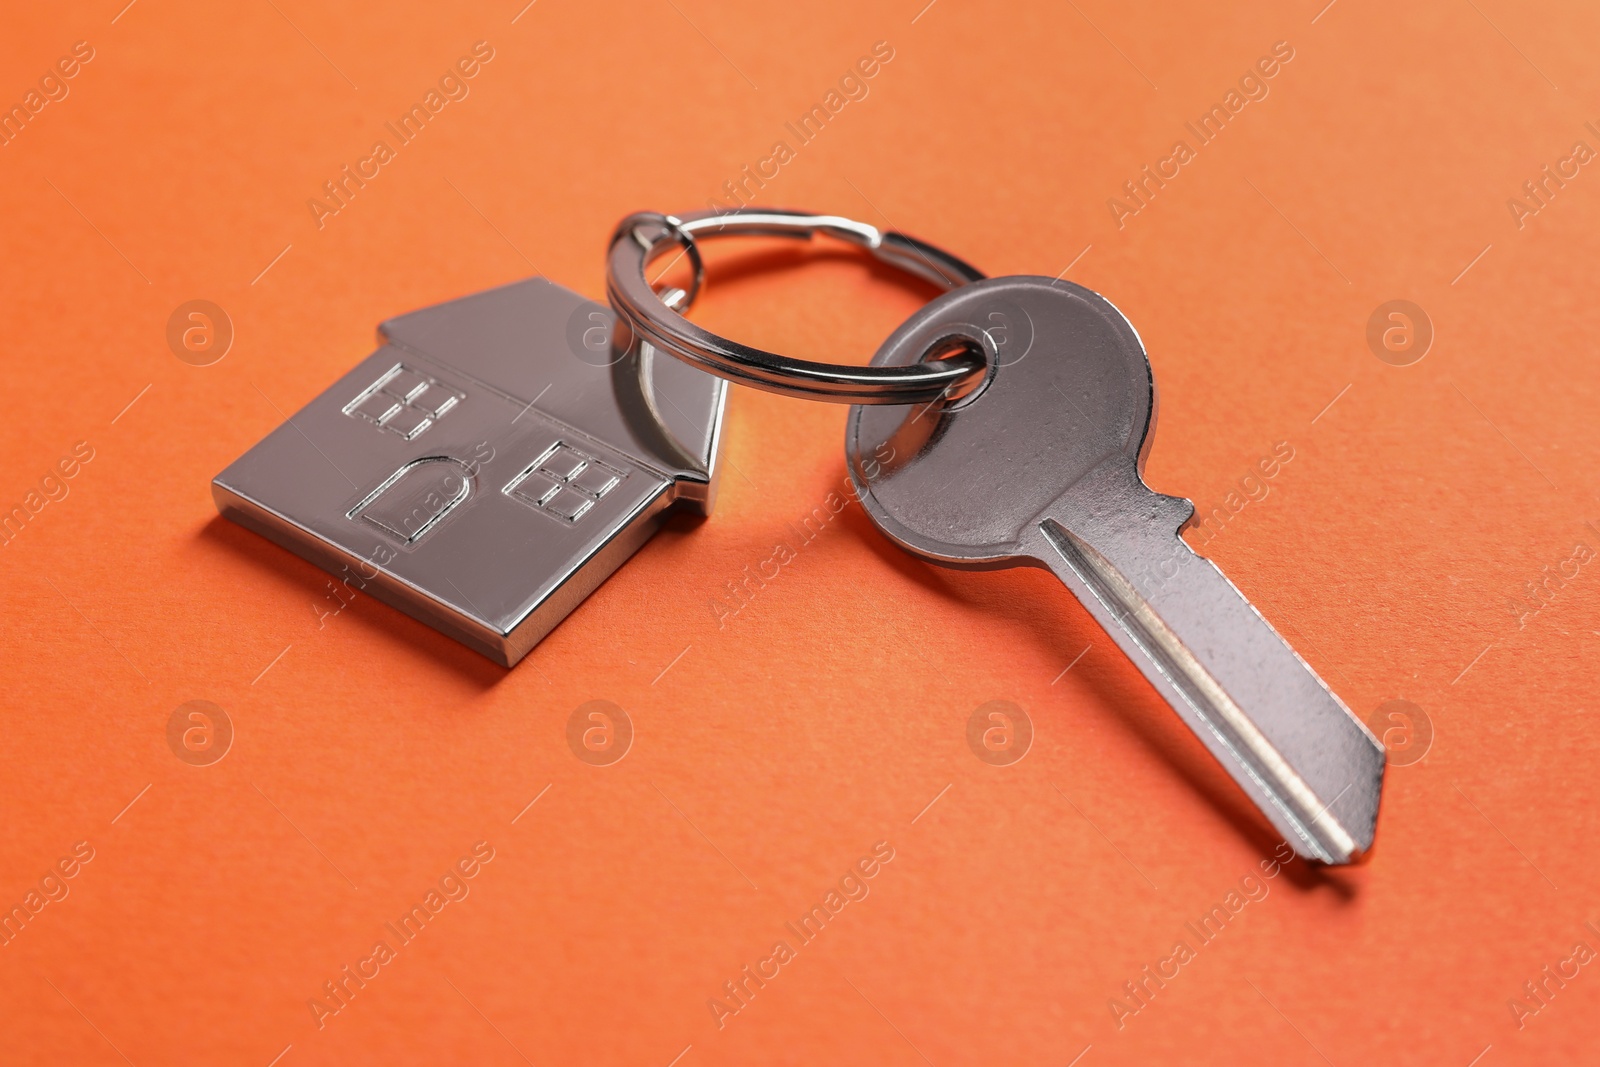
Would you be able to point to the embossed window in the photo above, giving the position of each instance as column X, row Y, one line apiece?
column 404, row 401
column 564, row 482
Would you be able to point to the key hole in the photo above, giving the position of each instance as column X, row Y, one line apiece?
column 923, row 423
column 962, row 338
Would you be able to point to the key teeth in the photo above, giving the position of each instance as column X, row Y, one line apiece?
column 1177, row 510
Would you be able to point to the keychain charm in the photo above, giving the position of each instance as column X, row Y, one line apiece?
column 489, row 466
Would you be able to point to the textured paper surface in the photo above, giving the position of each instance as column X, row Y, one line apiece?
column 773, row 748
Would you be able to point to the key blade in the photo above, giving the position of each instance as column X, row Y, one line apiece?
column 1311, row 767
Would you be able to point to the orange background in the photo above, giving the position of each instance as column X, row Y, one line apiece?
column 774, row 751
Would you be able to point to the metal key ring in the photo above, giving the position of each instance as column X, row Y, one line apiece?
column 642, row 237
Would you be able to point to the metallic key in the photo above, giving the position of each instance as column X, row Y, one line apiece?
column 488, row 466
column 1043, row 466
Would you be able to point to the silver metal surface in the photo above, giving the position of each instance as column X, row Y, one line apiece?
column 641, row 238
column 488, row 466
column 1043, row 466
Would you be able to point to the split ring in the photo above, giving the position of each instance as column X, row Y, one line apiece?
column 641, row 238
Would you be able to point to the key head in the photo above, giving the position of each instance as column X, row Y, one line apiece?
column 1069, row 392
